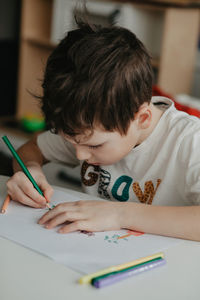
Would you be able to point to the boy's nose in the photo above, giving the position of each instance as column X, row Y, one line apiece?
column 82, row 154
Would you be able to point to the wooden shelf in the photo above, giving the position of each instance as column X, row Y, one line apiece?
column 40, row 42
column 36, row 19
column 33, row 59
column 155, row 62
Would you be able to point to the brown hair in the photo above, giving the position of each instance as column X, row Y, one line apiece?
column 96, row 75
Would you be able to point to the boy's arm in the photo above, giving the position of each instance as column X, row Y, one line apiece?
column 179, row 222
column 30, row 154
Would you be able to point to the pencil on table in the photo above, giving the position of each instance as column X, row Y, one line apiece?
column 88, row 278
column 5, row 204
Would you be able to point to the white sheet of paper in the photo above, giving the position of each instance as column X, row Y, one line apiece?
column 76, row 250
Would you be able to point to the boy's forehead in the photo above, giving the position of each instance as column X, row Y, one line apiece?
column 83, row 138
column 95, row 136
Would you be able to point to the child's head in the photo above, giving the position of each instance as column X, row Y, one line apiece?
column 96, row 77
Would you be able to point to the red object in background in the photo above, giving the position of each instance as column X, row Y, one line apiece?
column 190, row 110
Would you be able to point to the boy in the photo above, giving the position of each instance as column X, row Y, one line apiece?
column 138, row 151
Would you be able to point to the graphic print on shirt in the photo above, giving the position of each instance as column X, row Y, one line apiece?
column 103, row 176
column 149, row 191
column 93, row 177
column 121, row 187
column 104, row 180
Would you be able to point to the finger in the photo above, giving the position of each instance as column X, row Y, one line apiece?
column 21, row 181
column 32, row 193
column 62, row 218
column 75, row 226
column 28, row 190
column 48, row 195
column 47, row 191
column 56, row 211
column 19, row 196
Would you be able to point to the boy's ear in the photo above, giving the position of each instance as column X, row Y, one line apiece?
column 144, row 116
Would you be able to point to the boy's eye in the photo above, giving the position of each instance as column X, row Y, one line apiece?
column 94, row 147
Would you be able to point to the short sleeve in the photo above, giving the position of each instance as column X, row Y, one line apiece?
column 189, row 155
column 193, row 184
column 57, row 149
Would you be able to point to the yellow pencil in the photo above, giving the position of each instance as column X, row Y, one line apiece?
column 89, row 277
column 5, row 204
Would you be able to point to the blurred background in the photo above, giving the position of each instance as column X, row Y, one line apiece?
column 30, row 29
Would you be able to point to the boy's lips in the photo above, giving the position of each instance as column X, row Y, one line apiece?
column 93, row 163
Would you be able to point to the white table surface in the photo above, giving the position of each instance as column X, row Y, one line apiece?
column 27, row 275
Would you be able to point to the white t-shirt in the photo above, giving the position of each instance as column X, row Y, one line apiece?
column 163, row 170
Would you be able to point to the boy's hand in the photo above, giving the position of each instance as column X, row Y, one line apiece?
column 84, row 215
column 21, row 189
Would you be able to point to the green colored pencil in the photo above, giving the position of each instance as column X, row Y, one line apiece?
column 22, row 165
column 87, row 278
column 124, row 270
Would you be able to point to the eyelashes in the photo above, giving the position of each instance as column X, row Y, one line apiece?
column 95, row 147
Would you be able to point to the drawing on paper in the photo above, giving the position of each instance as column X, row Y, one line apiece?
column 115, row 238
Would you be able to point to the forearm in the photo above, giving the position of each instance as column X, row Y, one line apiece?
column 180, row 222
column 30, row 154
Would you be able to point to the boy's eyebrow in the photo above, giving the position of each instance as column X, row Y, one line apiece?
column 86, row 144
